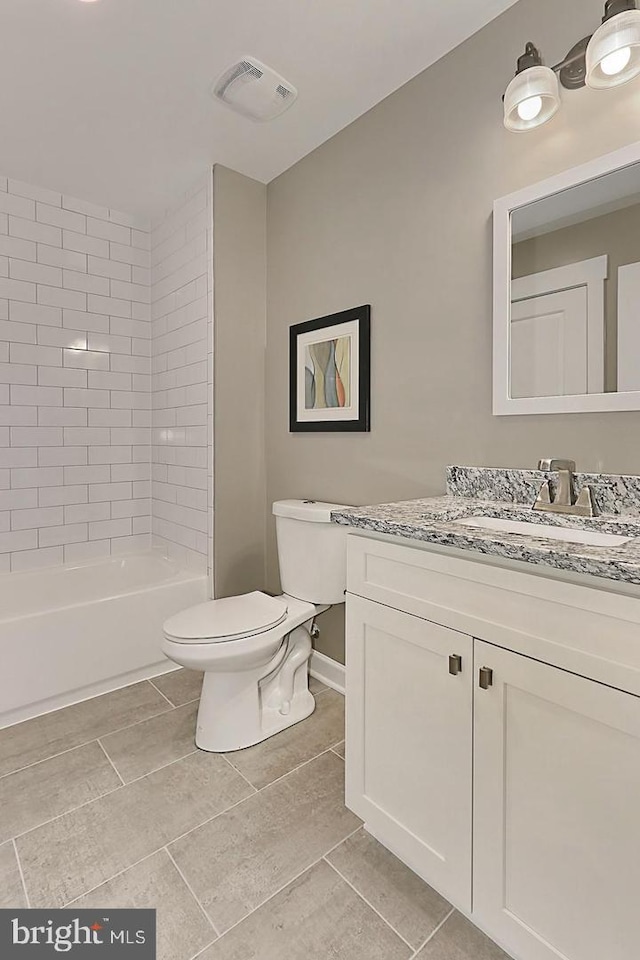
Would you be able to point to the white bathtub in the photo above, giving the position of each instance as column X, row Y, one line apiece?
column 69, row 633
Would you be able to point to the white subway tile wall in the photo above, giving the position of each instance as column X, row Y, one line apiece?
column 75, row 380
column 182, row 395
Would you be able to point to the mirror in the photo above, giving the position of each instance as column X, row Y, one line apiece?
column 567, row 291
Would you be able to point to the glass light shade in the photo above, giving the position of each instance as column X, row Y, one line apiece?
column 613, row 54
column 532, row 98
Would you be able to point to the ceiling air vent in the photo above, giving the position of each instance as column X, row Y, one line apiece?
column 254, row 90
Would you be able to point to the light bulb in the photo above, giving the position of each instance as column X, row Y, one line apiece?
column 616, row 62
column 530, row 108
column 613, row 53
column 531, row 99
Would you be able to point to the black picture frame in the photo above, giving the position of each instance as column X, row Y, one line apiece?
column 360, row 423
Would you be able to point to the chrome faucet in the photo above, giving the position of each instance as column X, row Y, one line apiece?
column 565, row 500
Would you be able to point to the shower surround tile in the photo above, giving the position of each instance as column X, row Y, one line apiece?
column 64, row 285
column 53, row 733
column 182, row 352
column 106, row 339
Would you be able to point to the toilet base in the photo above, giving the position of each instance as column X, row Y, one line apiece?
column 238, row 710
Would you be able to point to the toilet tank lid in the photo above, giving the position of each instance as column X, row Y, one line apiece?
column 314, row 511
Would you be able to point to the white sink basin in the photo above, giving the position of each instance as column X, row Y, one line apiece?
column 545, row 532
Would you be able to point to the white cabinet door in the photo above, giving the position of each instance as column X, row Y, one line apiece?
column 409, row 741
column 557, row 812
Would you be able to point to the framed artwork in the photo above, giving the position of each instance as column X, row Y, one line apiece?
column 329, row 373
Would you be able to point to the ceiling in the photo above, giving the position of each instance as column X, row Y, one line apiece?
column 110, row 100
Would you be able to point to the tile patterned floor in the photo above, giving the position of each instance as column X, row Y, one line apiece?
column 247, row 855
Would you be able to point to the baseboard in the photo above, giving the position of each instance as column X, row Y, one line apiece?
column 328, row 671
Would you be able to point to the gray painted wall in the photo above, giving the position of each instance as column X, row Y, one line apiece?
column 239, row 365
column 395, row 211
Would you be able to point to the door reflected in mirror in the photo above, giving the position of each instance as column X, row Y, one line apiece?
column 572, row 292
column 575, row 290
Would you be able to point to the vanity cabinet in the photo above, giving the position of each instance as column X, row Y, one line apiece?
column 556, row 803
column 409, row 736
column 512, row 786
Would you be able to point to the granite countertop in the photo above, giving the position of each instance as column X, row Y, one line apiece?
column 471, row 493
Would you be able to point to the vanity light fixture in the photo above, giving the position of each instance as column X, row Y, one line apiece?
column 613, row 54
column 533, row 96
column 607, row 59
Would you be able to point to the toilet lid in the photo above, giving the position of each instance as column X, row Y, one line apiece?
column 228, row 618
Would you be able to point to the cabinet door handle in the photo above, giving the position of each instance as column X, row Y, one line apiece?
column 485, row 678
column 455, row 664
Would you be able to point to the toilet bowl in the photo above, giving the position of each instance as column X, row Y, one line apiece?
column 255, row 679
column 254, row 649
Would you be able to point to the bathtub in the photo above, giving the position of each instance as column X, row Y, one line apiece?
column 68, row 633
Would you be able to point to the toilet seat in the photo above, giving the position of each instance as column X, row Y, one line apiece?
column 231, row 618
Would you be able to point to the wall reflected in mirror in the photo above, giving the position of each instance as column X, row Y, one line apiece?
column 575, row 290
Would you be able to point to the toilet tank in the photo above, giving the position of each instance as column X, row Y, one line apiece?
column 312, row 551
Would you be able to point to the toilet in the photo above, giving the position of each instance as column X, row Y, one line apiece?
column 254, row 648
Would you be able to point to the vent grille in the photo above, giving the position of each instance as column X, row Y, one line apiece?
column 243, row 69
column 254, row 90
column 252, row 69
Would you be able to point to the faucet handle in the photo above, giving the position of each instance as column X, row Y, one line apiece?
column 551, row 465
column 543, row 499
column 586, row 504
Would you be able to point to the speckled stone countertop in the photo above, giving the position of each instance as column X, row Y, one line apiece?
column 471, row 493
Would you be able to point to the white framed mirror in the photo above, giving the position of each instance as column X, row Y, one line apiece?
column 566, row 311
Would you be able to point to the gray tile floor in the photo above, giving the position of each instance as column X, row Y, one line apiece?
column 248, row 855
